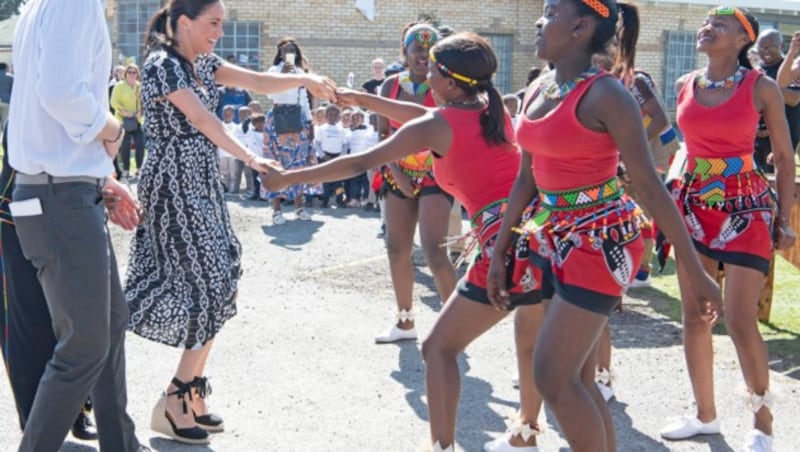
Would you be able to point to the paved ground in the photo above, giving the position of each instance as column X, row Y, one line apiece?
column 297, row 369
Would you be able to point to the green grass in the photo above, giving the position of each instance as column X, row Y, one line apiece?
column 781, row 332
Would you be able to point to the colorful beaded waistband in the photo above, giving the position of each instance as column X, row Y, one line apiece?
column 725, row 167
column 491, row 211
column 581, row 198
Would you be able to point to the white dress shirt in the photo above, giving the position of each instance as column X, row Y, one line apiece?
column 62, row 58
column 290, row 96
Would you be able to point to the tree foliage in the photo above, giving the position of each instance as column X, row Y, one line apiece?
column 9, row 8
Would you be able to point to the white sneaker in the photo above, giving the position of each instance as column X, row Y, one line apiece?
column 395, row 334
column 606, row 391
column 687, row 427
column 515, row 380
column 757, row 441
column 502, row 444
column 638, row 283
column 302, row 214
column 277, row 218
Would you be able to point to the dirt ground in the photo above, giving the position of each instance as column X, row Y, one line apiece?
column 297, row 368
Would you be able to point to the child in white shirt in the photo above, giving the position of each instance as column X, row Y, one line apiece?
column 330, row 141
column 362, row 137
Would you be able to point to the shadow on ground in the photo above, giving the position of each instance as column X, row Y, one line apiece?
column 475, row 415
column 783, row 344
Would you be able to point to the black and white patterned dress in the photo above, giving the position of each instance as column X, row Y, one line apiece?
column 185, row 260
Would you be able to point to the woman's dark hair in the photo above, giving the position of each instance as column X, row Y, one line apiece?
column 470, row 55
column 607, row 32
column 299, row 59
column 161, row 32
column 743, row 60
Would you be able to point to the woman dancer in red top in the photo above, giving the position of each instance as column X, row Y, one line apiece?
column 476, row 161
column 576, row 122
column 728, row 209
column 412, row 193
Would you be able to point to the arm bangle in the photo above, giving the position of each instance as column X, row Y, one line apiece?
column 250, row 160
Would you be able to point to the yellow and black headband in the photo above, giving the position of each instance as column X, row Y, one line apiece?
column 461, row 78
column 739, row 14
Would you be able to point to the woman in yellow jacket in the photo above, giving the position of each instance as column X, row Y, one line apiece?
column 126, row 101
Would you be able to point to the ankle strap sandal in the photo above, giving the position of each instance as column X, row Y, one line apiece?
column 202, row 386
column 183, row 390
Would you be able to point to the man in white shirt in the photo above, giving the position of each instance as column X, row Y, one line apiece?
column 62, row 139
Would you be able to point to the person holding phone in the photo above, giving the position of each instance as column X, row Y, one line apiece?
column 288, row 133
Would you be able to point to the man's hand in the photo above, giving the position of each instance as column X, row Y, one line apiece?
column 123, row 210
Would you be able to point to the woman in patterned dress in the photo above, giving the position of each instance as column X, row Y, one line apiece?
column 292, row 150
column 185, row 260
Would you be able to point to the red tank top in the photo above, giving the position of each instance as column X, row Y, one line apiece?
column 474, row 171
column 727, row 130
column 565, row 153
column 420, row 160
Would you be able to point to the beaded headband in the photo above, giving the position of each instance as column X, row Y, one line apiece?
column 598, row 7
column 425, row 35
column 739, row 14
column 462, row 78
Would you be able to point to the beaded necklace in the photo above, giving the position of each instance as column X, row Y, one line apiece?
column 703, row 82
column 553, row 91
column 475, row 100
column 411, row 88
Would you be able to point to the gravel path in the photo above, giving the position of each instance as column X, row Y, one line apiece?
column 297, row 369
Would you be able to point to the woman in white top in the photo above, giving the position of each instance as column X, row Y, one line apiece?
column 292, row 149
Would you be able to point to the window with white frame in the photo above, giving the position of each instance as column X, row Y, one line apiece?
column 503, row 45
column 133, row 18
column 680, row 57
column 242, row 41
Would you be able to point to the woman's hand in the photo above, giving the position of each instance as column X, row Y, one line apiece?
column 496, row 284
column 708, row 297
column 264, row 165
column 274, row 180
column 347, row 97
column 404, row 184
column 123, row 210
column 321, row 87
column 794, row 45
column 784, row 234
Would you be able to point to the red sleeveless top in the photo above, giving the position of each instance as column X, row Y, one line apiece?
column 474, row 171
column 420, row 160
column 726, row 130
column 565, row 153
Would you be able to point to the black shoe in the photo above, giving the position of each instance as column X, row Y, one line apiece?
column 83, row 428
column 210, row 422
column 382, row 231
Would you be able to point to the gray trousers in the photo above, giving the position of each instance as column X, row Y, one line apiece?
column 70, row 247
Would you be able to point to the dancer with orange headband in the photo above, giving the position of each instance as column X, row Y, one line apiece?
column 475, row 159
column 576, row 122
column 730, row 213
column 412, row 194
